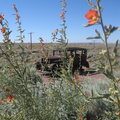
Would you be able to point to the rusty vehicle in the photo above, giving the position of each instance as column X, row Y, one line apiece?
column 56, row 61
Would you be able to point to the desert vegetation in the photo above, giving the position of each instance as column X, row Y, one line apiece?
column 28, row 94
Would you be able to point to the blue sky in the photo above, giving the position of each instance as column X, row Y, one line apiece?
column 42, row 18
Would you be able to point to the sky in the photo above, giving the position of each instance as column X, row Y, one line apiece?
column 42, row 17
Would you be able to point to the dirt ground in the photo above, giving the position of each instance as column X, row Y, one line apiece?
column 93, row 78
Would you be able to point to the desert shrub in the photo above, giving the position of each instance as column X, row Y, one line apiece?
column 108, row 62
column 25, row 96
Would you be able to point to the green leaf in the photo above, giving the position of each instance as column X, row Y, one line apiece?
column 110, row 29
column 87, row 25
column 113, row 29
column 96, row 37
column 97, row 32
column 115, row 48
column 92, row 92
column 92, row 69
column 101, row 96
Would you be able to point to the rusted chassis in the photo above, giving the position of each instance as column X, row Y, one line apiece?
column 55, row 62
